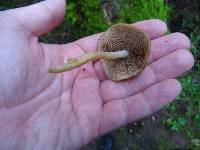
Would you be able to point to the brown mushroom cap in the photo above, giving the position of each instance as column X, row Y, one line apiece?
column 124, row 37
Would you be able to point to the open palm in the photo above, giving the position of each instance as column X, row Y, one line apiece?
column 39, row 110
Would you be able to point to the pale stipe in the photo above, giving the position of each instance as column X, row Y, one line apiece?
column 72, row 63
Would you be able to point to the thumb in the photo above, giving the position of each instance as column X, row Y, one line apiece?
column 42, row 17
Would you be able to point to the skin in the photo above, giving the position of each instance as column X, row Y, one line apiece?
column 39, row 110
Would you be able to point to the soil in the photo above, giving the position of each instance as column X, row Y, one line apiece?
column 148, row 134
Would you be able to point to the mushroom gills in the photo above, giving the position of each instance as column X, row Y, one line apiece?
column 135, row 41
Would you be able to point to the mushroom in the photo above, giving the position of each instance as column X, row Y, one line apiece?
column 123, row 50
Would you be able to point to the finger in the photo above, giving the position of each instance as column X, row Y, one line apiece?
column 154, row 28
column 40, row 18
column 85, row 96
column 167, row 44
column 118, row 113
column 159, row 48
column 100, row 71
column 169, row 66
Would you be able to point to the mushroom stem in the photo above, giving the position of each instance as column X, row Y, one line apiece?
column 72, row 63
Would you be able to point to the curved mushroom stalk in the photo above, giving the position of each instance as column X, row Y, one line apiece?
column 72, row 63
column 135, row 48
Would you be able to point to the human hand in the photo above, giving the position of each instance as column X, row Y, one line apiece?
column 39, row 110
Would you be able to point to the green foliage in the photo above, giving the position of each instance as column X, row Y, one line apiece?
column 2, row 7
column 6, row 4
column 183, row 115
column 175, row 124
column 164, row 143
column 187, row 14
column 136, row 10
column 86, row 16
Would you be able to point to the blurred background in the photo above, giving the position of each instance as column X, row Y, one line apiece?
column 177, row 126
